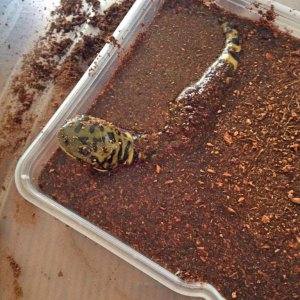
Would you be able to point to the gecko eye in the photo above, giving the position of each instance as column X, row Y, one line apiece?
column 83, row 117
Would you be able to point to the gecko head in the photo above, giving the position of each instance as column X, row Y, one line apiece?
column 96, row 142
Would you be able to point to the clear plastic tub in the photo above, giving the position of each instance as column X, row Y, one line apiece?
column 81, row 98
column 286, row 19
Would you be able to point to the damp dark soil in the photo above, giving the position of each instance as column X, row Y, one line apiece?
column 226, row 209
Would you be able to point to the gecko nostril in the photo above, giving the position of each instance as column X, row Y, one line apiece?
column 66, row 140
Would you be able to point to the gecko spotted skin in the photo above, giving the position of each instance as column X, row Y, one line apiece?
column 97, row 142
column 105, row 147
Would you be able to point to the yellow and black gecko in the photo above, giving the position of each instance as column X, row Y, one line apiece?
column 105, row 146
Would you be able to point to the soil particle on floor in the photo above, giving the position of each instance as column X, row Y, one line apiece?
column 16, row 269
column 14, row 266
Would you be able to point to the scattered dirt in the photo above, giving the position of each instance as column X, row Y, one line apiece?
column 267, row 18
column 59, row 59
column 16, row 272
column 14, row 266
column 18, row 290
column 222, row 210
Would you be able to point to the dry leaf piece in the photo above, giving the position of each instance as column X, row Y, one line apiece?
column 227, row 137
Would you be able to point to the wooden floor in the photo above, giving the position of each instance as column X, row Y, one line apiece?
column 56, row 261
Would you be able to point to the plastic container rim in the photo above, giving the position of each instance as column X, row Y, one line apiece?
column 102, row 62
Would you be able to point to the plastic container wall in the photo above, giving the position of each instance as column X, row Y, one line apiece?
column 79, row 101
column 286, row 18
